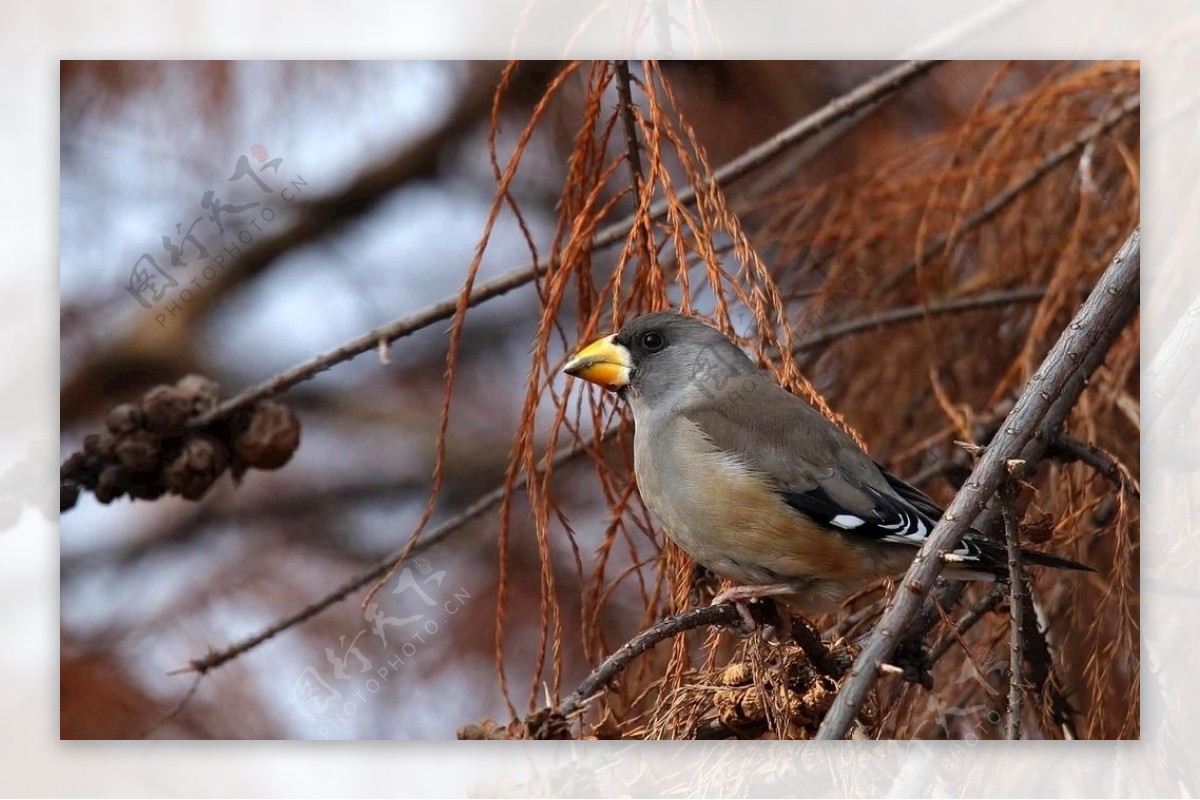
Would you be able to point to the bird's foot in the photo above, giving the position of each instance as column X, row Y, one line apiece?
column 736, row 593
column 740, row 595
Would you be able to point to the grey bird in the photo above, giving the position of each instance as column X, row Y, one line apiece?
column 757, row 485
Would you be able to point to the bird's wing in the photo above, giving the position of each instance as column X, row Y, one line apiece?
column 817, row 469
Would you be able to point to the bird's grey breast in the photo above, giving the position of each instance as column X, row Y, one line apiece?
column 697, row 492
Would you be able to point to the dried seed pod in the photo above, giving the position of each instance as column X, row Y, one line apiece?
column 140, row 451
column 165, row 410
column 110, row 486
column 816, row 701
column 752, row 705
column 547, row 724
column 146, row 485
column 199, row 463
column 736, row 674
column 123, row 418
column 794, row 705
column 1037, row 527
column 472, row 731
column 269, row 438
column 99, row 445
column 68, row 495
column 741, row 710
column 202, row 393
column 75, row 465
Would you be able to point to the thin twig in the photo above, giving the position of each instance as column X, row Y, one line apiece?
column 443, row 531
column 601, row 676
column 1068, row 448
column 1059, row 380
column 174, row 713
column 1001, row 199
column 894, row 316
column 632, row 150
column 1016, row 609
column 968, row 620
column 867, row 93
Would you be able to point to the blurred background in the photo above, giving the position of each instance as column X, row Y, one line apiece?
column 379, row 184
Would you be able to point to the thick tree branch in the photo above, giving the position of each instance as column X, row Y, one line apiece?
column 1053, row 388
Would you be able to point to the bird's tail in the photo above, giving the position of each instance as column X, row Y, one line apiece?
column 995, row 558
column 1048, row 560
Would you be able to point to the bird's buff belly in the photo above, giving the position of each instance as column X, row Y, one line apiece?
column 726, row 517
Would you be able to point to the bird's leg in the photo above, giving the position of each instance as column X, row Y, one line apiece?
column 785, row 620
column 738, row 595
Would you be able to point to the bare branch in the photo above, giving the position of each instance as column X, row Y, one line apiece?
column 1055, row 386
column 895, row 316
column 440, row 533
column 1069, row 448
column 1016, row 609
column 601, row 676
column 1000, row 200
column 632, row 150
column 868, row 93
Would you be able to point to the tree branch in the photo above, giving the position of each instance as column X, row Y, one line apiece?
column 1068, row 448
column 1053, row 388
column 632, row 151
column 1000, row 200
column 868, row 93
column 1016, row 608
column 483, row 504
column 895, row 316
column 602, row 675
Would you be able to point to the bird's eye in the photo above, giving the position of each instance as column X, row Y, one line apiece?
column 653, row 341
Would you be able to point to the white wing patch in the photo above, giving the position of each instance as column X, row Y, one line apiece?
column 847, row 521
column 909, row 526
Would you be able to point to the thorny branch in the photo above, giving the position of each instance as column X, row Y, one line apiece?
column 632, row 149
column 1056, row 385
column 1016, row 603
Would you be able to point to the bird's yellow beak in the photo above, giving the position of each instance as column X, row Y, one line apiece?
column 603, row 362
